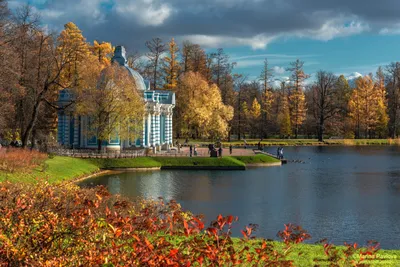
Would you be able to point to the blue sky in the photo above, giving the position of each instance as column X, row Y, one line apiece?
column 362, row 53
column 342, row 36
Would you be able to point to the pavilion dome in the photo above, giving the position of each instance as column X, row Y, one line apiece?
column 120, row 57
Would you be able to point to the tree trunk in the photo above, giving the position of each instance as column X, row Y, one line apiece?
column 33, row 119
column 99, row 141
column 321, row 129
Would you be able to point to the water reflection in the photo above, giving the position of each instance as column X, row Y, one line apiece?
column 347, row 194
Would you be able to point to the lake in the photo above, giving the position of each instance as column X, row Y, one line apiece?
column 344, row 194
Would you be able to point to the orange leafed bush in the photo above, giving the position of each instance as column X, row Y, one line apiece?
column 18, row 159
column 64, row 225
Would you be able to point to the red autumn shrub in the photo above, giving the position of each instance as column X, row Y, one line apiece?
column 18, row 159
column 64, row 225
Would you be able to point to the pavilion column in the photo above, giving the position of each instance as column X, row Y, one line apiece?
column 166, row 129
column 66, row 129
column 157, row 129
column 169, row 118
column 152, row 130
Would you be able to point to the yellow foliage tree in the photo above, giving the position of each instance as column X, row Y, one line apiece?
column 113, row 104
column 255, row 116
column 283, row 119
column 367, row 107
column 298, row 109
column 171, row 66
column 103, row 51
column 255, row 110
column 199, row 110
column 72, row 48
column 297, row 100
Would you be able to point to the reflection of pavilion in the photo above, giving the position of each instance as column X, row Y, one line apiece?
column 157, row 121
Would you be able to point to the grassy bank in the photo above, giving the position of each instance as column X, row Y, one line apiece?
column 309, row 254
column 199, row 162
column 56, row 169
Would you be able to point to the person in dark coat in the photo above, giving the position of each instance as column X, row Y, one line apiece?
column 230, row 149
column 191, row 150
column 220, row 151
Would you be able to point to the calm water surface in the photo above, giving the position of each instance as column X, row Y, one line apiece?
column 347, row 194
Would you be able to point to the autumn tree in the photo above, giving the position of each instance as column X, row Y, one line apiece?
column 222, row 68
column 283, row 114
column 171, row 66
column 365, row 103
column 342, row 124
column 255, row 116
column 199, row 111
column 266, row 97
column 324, row 100
column 156, row 49
column 72, row 48
column 297, row 105
column 194, row 58
column 103, row 51
column 38, row 70
column 186, row 57
column 244, row 118
column 113, row 105
column 393, row 96
column 382, row 116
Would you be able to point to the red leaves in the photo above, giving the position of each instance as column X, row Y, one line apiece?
column 200, row 224
column 293, row 234
column 148, row 244
column 213, row 231
column 96, row 228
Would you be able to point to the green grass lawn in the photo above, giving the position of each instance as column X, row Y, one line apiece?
column 307, row 254
column 55, row 169
column 257, row 159
column 59, row 169
column 199, row 162
column 310, row 255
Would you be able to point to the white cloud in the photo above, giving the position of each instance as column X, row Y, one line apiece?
column 51, row 13
column 279, row 70
column 146, row 12
column 259, row 41
column 390, row 30
column 333, row 28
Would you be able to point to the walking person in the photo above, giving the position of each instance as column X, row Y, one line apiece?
column 230, row 149
column 281, row 153
column 191, row 150
column 220, row 151
column 278, row 152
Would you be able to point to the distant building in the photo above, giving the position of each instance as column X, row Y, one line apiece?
column 157, row 121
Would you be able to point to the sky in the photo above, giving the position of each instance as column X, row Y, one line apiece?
column 349, row 37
